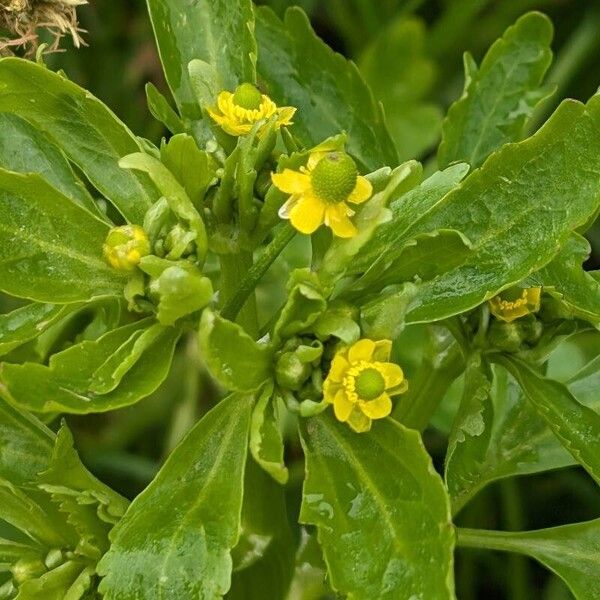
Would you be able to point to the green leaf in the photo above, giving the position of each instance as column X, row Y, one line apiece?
column 50, row 248
column 233, row 357
column 82, row 127
column 192, row 167
column 264, row 557
column 513, row 210
column 25, row 445
column 565, row 278
column 266, row 441
column 381, row 511
column 82, row 378
column 20, row 511
column 300, row 70
column 175, row 540
column 25, row 149
column 470, row 436
column 519, row 441
column 401, row 75
column 28, row 322
column 574, row 424
column 218, row 32
column 570, row 551
column 501, row 95
column 384, row 248
column 161, row 110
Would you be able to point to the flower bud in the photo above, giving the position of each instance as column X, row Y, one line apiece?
column 290, row 372
column 26, row 569
column 125, row 246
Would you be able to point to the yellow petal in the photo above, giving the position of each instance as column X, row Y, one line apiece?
column 330, row 389
column 361, row 350
column 359, row 421
column 377, row 409
column 383, row 349
column 286, row 208
column 313, row 159
column 339, row 366
column 533, row 298
column 224, row 102
column 392, row 374
column 285, row 115
column 337, row 219
column 291, row 182
column 307, row 215
column 342, row 406
column 362, row 191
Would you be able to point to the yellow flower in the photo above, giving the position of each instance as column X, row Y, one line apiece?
column 515, row 302
column 361, row 382
column 238, row 112
column 125, row 246
column 320, row 191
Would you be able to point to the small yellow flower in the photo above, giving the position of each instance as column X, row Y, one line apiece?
column 320, row 191
column 125, row 246
column 361, row 382
column 238, row 112
column 515, row 302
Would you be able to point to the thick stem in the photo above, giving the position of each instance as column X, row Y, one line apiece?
column 512, row 513
column 428, row 390
column 234, row 269
column 249, row 278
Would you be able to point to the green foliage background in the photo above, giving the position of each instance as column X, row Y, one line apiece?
column 411, row 54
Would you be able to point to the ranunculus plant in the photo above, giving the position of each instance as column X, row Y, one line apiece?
column 341, row 300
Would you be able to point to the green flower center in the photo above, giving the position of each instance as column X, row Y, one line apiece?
column 334, row 177
column 369, row 384
column 247, row 96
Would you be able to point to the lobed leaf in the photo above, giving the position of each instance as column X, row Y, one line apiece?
column 90, row 135
column 217, row 32
column 300, row 70
column 565, row 278
column 517, row 211
column 51, row 248
column 118, row 369
column 175, row 540
column 385, row 532
column 25, row 149
column 570, row 551
column 500, row 95
column 574, row 424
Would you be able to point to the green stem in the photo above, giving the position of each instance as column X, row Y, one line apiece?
column 488, row 539
column 518, row 583
column 234, row 268
column 428, row 389
column 185, row 412
column 233, row 303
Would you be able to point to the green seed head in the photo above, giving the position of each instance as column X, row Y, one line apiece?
column 369, row 384
column 334, row 177
column 247, row 96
